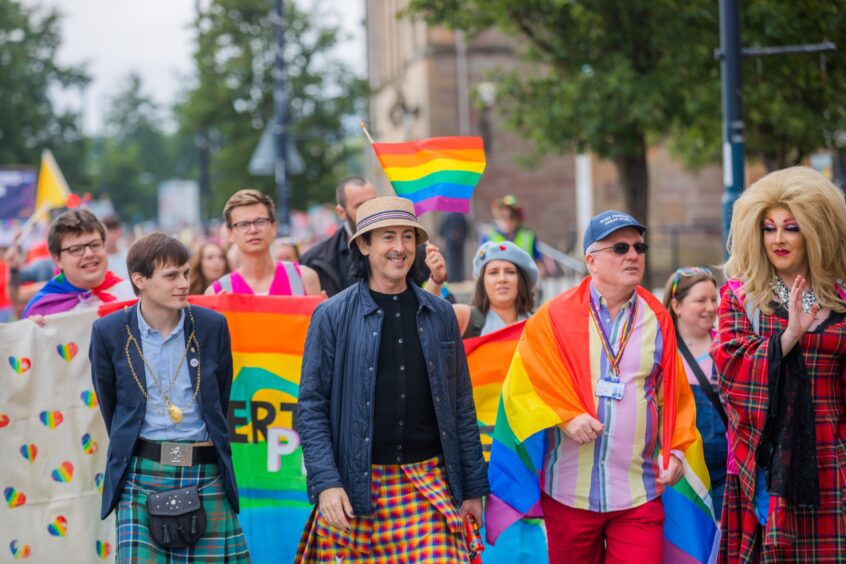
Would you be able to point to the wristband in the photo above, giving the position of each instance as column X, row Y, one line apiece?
column 437, row 282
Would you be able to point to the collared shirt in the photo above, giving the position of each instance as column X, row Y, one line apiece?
column 618, row 470
column 405, row 428
column 163, row 356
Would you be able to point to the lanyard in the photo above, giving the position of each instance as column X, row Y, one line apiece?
column 614, row 359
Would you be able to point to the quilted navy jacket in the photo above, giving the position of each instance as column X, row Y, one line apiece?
column 335, row 410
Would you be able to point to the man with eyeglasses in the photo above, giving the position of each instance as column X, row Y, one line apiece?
column 251, row 226
column 76, row 241
column 601, row 361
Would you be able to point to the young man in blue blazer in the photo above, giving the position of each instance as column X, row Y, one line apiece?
column 162, row 370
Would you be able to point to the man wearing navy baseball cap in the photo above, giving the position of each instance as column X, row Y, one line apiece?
column 615, row 349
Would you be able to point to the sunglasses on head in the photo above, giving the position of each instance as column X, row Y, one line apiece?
column 623, row 248
column 688, row 271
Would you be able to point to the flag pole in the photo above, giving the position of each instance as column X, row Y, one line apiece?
column 366, row 133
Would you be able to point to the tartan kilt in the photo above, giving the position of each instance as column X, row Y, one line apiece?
column 223, row 540
column 413, row 519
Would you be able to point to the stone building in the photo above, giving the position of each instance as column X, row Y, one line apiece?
column 427, row 81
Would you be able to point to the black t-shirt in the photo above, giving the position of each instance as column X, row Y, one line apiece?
column 405, row 428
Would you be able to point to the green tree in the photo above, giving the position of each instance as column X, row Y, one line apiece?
column 135, row 154
column 233, row 97
column 29, row 74
column 612, row 77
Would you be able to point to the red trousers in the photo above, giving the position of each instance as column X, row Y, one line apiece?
column 630, row 536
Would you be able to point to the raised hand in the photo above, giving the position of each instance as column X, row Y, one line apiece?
column 798, row 322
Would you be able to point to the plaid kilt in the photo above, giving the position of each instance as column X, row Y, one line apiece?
column 792, row 534
column 223, row 540
column 414, row 519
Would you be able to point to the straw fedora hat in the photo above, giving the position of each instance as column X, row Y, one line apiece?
column 387, row 211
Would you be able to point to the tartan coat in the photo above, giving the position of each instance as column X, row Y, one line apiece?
column 791, row 534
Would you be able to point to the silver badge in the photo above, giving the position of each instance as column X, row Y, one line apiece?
column 194, row 362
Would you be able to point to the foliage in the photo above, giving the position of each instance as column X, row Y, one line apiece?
column 29, row 74
column 233, row 97
column 611, row 76
column 136, row 154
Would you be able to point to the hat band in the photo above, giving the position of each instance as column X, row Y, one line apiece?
column 383, row 215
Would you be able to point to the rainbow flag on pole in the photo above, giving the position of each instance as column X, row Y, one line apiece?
column 436, row 174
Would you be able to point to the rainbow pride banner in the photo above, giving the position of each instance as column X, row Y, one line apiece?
column 436, row 174
column 268, row 339
column 488, row 358
column 53, row 444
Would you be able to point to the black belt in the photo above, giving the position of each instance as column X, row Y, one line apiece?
column 175, row 454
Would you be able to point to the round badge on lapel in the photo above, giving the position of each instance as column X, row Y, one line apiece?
column 194, row 362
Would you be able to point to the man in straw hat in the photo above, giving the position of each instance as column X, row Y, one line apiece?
column 386, row 412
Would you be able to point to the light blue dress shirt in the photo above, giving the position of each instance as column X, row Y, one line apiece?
column 163, row 356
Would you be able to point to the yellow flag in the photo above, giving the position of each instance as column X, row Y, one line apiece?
column 52, row 189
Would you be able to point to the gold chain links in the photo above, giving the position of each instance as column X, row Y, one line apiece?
column 165, row 394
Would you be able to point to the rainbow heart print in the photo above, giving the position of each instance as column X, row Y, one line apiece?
column 29, row 452
column 59, row 526
column 63, row 474
column 20, row 551
column 89, row 398
column 98, row 480
column 67, row 351
column 51, row 419
column 89, row 445
column 13, row 497
column 4, row 420
column 20, row 365
column 103, row 549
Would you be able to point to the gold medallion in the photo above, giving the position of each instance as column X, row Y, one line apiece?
column 174, row 413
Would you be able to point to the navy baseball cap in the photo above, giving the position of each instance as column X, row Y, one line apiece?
column 606, row 223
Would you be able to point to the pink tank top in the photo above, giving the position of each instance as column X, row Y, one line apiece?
column 287, row 281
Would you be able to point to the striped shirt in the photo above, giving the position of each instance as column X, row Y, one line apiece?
column 618, row 470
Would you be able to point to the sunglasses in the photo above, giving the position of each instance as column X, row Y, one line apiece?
column 623, row 248
column 687, row 271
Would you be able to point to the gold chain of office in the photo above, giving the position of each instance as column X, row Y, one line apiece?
column 173, row 411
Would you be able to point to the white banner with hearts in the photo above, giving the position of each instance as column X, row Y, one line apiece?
column 52, row 444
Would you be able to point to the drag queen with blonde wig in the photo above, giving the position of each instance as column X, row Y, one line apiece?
column 781, row 353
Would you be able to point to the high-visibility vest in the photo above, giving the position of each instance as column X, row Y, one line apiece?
column 525, row 239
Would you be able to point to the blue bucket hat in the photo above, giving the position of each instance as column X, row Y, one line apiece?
column 505, row 250
column 606, row 223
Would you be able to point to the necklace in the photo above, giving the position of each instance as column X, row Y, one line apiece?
column 173, row 411
column 783, row 293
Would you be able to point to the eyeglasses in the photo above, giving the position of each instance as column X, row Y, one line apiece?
column 79, row 250
column 244, row 226
column 623, row 248
column 687, row 271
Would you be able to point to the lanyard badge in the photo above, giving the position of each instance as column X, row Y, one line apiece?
column 612, row 387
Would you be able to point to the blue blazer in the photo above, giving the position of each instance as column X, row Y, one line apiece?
column 124, row 406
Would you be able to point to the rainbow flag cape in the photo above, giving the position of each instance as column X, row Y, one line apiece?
column 436, row 174
column 549, row 382
column 488, row 358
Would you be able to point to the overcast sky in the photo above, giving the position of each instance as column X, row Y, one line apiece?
column 154, row 39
